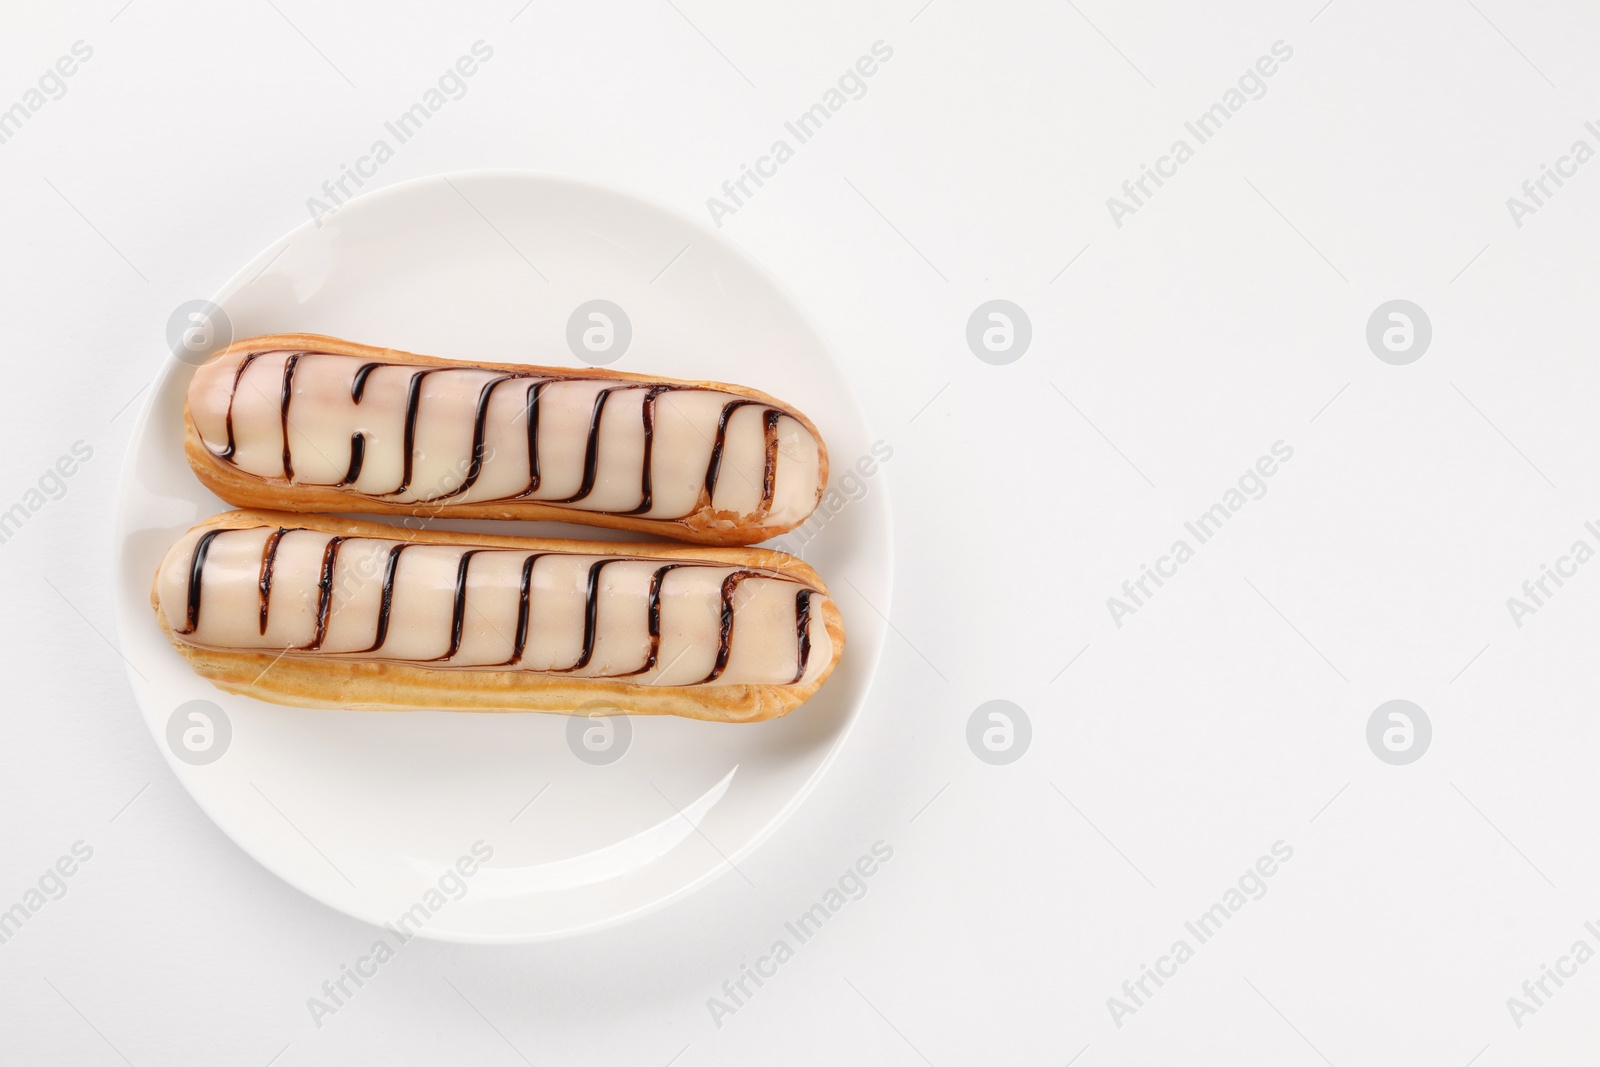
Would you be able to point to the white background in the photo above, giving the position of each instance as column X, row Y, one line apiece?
column 1227, row 714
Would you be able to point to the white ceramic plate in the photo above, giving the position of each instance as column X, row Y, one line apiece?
column 368, row 811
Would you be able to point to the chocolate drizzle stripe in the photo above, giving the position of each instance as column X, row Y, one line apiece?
column 653, row 619
column 358, row 384
column 802, row 630
column 386, row 599
column 714, row 465
column 269, row 556
column 479, row 432
column 197, row 564
column 244, row 365
column 533, row 437
column 458, row 608
column 769, row 464
column 358, row 440
column 647, row 410
column 524, row 605
column 725, row 638
column 358, row 453
column 591, row 451
column 289, row 366
column 591, row 614
column 325, row 591
column 413, row 404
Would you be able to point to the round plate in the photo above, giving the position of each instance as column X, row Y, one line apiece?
column 378, row 814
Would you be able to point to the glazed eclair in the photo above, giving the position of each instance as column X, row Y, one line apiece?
column 327, row 612
column 299, row 422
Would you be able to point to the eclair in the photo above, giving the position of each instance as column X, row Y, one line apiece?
column 299, row 422
column 318, row 611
